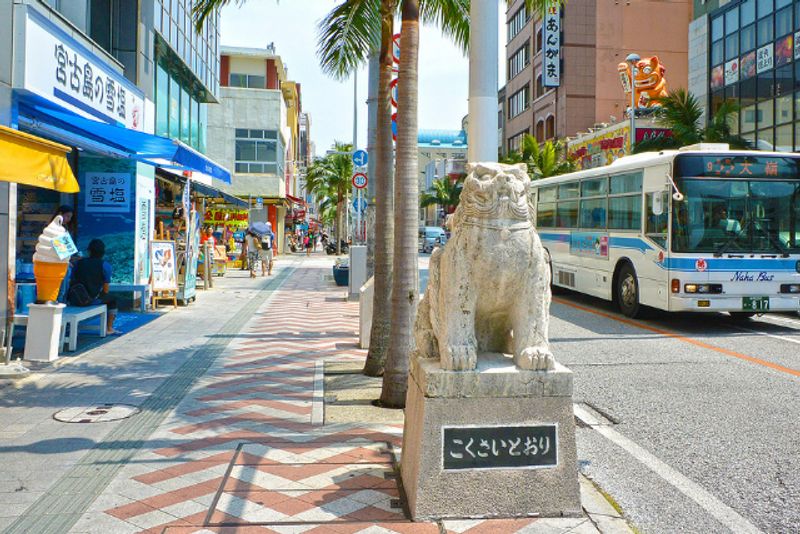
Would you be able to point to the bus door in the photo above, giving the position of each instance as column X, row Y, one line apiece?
column 654, row 275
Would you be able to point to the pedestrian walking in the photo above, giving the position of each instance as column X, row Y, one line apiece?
column 307, row 244
column 267, row 256
column 253, row 252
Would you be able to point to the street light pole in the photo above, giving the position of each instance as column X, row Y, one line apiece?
column 484, row 41
column 632, row 60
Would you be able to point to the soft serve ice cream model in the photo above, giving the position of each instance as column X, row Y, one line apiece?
column 49, row 267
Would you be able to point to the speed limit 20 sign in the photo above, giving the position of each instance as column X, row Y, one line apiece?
column 359, row 180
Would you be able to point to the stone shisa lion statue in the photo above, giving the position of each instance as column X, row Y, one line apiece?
column 489, row 288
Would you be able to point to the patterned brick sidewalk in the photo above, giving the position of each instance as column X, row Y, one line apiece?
column 240, row 452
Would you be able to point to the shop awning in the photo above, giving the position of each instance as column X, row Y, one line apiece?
column 30, row 160
column 38, row 114
column 203, row 189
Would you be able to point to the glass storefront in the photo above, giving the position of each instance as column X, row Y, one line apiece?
column 755, row 62
column 179, row 113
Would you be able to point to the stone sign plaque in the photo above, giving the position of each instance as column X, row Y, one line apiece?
column 499, row 447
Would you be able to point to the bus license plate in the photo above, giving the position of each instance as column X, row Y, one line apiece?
column 755, row 304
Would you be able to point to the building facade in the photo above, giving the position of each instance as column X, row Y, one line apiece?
column 84, row 73
column 442, row 153
column 747, row 52
column 256, row 131
column 557, row 90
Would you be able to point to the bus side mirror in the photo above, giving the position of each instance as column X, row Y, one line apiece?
column 658, row 203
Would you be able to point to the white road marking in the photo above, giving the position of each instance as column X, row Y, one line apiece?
column 719, row 510
column 774, row 336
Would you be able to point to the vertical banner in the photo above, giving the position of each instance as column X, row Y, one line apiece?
column 551, row 66
column 145, row 222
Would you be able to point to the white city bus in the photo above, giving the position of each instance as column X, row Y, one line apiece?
column 702, row 228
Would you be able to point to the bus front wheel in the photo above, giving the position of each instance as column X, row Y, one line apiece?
column 628, row 291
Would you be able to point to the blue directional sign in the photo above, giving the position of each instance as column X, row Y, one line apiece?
column 360, row 158
column 360, row 204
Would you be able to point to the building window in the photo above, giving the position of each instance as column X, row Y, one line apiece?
column 519, row 60
column 517, row 22
column 515, row 141
column 519, row 101
column 747, row 38
column 764, row 31
column 539, row 40
column 783, row 22
column 248, row 81
column 258, row 151
column 540, row 130
column 550, row 127
column 539, row 86
column 162, row 101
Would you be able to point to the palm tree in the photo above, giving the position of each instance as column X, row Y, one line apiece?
column 680, row 112
column 549, row 159
column 348, row 35
column 329, row 179
column 444, row 192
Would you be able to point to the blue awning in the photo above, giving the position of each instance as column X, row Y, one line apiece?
column 36, row 113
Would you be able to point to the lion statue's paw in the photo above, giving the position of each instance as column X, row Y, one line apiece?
column 459, row 358
column 535, row 359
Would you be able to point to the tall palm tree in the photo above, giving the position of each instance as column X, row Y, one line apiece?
column 548, row 159
column 680, row 112
column 444, row 192
column 329, row 178
column 347, row 37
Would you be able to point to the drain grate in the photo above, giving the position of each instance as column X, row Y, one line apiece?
column 96, row 413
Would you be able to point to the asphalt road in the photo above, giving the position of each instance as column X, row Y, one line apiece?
column 698, row 415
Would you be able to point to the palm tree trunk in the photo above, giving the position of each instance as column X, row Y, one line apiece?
column 384, row 205
column 340, row 207
column 405, row 290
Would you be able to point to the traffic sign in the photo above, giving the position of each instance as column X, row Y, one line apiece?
column 259, row 203
column 359, row 180
column 360, row 204
column 360, row 158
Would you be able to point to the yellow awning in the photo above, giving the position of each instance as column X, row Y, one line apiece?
column 30, row 160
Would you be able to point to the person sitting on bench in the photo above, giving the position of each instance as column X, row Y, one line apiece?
column 94, row 274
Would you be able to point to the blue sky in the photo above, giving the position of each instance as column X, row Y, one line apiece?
column 292, row 26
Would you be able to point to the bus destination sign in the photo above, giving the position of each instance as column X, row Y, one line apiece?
column 747, row 167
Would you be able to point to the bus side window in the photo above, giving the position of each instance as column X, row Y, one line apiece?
column 656, row 227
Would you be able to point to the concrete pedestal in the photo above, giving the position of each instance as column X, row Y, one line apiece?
column 365, row 301
column 494, row 399
column 43, row 332
column 358, row 269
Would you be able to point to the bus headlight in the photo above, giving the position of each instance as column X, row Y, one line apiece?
column 790, row 288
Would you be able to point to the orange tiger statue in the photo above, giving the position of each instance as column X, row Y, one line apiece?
column 649, row 83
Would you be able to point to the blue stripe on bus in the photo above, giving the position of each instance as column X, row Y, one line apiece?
column 629, row 242
column 730, row 264
column 560, row 238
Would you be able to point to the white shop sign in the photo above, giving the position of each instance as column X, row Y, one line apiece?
column 764, row 58
column 551, row 71
column 60, row 69
column 731, row 71
column 108, row 192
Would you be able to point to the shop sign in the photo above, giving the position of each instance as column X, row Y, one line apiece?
column 797, row 45
column 108, row 192
column 600, row 149
column 731, row 71
column 162, row 262
column 784, row 50
column 62, row 70
column 747, row 66
column 551, row 72
column 227, row 218
column 764, row 58
column 717, row 77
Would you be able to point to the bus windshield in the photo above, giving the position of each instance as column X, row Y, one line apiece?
column 737, row 216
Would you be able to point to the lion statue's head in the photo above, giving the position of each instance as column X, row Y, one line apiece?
column 495, row 191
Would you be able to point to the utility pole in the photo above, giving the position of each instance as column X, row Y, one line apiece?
column 372, row 140
column 484, row 41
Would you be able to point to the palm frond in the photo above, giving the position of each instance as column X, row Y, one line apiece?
column 347, row 35
column 451, row 16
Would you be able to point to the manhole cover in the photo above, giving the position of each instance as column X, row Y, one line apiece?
column 96, row 413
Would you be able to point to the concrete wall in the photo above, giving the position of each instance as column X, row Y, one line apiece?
column 698, row 60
